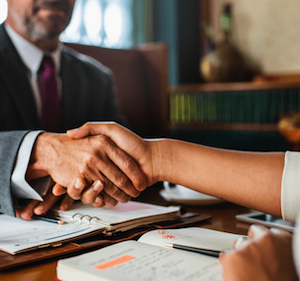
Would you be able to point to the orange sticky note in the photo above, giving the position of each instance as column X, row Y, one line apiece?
column 114, row 262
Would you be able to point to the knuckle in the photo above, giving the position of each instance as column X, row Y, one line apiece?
column 123, row 182
column 83, row 170
column 129, row 164
column 91, row 158
column 115, row 192
column 102, row 140
column 141, row 183
column 136, row 193
column 126, row 199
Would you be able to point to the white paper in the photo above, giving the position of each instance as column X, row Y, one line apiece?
column 134, row 261
column 191, row 236
column 16, row 234
column 122, row 212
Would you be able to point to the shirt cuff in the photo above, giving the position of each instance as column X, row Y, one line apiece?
column 290, row 186
column 20, row 187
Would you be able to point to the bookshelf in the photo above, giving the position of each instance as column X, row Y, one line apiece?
column 249, row 106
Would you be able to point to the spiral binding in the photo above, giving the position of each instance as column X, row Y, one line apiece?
column 78, row 217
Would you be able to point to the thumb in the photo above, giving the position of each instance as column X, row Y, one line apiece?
column 78, row 133
column 90, row 129
column 257, row 231
column 58, row 190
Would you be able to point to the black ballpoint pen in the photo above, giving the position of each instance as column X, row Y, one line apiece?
column 47, row 218
column 213, row 253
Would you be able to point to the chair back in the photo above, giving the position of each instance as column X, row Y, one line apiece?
column 141, row 78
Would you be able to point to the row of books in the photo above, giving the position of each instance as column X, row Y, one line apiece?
column 255, row 106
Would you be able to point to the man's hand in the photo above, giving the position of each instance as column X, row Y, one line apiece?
column 135, row 146
column 266, row 256
column 39, row 208
column 95, row 161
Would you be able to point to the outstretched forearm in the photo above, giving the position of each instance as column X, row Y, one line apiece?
column 246, row 178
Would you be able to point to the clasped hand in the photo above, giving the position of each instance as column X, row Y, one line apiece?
column 92, row 168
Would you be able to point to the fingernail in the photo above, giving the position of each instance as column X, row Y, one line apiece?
column 72, row 130
column 257, row 231
column 39, row 210
column 26, row 215
column 97, row 185
column 64, row 207
column 99, row 201
column 79, row 185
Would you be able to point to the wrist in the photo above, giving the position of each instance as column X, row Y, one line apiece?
column 41, row 156
column 162, row 159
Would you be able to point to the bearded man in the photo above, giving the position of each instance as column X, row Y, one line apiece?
column 45, row 86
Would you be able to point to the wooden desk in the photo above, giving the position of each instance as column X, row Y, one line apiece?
column 223, row 218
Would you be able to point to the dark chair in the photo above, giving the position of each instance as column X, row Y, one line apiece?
column 141, row 77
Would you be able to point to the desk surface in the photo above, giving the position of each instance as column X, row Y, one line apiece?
column 223, row 218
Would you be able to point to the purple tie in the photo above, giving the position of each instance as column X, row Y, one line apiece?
column 51, row 108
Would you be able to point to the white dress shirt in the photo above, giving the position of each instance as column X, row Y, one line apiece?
column 32, row 57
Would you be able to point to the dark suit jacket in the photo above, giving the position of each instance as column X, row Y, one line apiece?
column 88, row 94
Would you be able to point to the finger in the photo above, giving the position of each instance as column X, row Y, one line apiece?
column 257, row 231
column 125, row 162
column 127, row 165
column 90, row 194
column 18, row 212
column 224, row 254
column 76, row 188
column 66, row 203
column 113, row 162
column 27, row 212
column 43, row 207
column 241, row 242
column 115, row 193
column 78, row 133
column 58, row 190
column 128, row 176
column 108, row 200
column 85, row 130
column 99, row 201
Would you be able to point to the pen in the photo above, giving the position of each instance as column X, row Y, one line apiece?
column 48, row 219
column 213, row 253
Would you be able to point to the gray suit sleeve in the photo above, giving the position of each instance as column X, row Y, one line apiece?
column 9, row 146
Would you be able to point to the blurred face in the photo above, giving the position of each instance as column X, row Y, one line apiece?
column 39, row 20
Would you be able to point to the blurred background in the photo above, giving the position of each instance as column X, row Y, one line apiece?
column 233, row 67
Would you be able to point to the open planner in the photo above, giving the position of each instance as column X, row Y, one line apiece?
column 80, row 221
column 148, row 259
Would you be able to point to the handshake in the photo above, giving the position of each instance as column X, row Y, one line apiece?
column 98, row 163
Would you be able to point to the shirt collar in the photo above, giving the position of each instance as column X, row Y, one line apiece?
column 30, row 54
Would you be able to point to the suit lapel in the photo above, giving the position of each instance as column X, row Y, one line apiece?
column 70, row 89
column 16, row 81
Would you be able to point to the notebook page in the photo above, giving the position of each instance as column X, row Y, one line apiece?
column 18, row 235
column 122, row 212
column 134, row 261
column 191, row 236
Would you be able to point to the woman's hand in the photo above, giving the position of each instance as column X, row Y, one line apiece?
column 265, row 256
